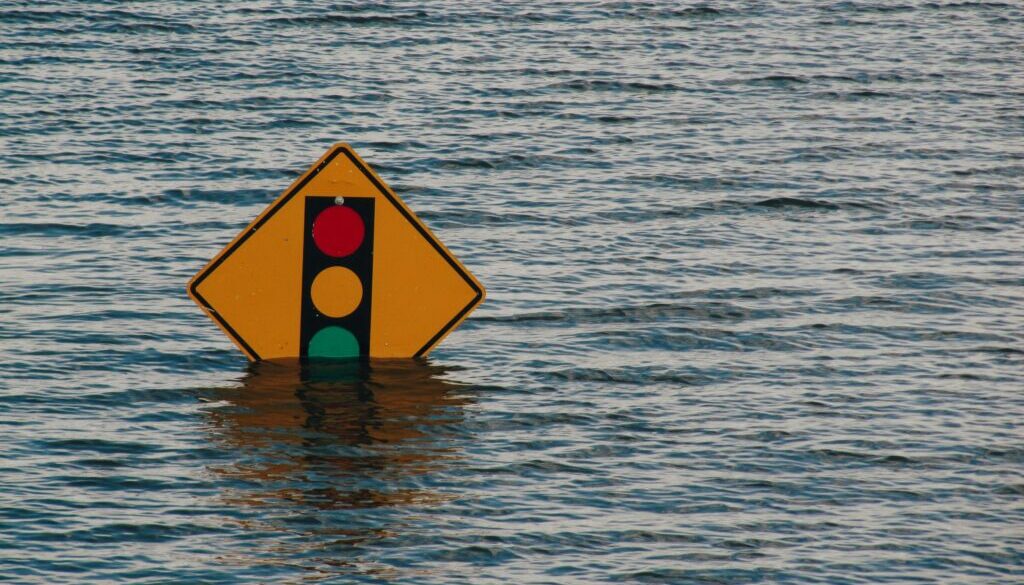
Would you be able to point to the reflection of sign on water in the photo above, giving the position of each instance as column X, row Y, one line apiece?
column 336, row 436
column 337, row 267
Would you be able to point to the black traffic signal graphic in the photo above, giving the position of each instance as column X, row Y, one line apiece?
column 337, row 277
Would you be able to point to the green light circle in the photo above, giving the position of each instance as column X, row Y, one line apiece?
column 333, row 342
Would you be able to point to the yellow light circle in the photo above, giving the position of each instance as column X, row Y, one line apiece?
column 336, row 291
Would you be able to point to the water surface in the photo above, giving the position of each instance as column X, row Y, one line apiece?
column 755, row 312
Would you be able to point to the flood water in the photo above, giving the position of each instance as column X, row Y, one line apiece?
column 755, row 293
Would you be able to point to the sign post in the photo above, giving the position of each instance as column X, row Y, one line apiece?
column 336, row 267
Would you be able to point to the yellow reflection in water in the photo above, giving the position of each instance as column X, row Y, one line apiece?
column 319, row 446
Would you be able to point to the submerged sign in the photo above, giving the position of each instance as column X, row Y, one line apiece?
column 336, row 267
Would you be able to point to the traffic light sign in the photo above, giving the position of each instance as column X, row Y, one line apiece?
column 336, row 267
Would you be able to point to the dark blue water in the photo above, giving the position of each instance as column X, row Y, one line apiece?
column 755, row 274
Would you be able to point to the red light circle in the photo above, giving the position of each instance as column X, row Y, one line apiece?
column 338, row 231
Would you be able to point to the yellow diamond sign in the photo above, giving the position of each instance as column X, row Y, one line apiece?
column 336, row 267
